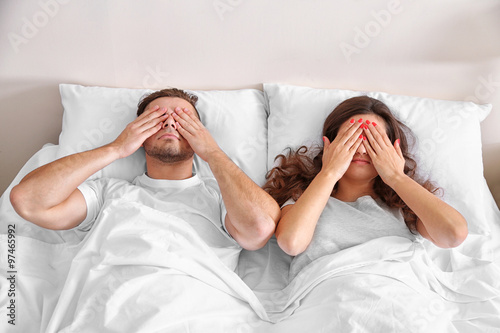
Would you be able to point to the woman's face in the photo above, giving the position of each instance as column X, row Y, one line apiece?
column 361, row 167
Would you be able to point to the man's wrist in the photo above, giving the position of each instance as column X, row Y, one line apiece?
column 113, row 151
column 215, row 155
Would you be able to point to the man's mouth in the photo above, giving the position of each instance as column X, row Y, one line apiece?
column 169, row 135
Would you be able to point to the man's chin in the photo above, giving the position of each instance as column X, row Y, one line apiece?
column 169, row 156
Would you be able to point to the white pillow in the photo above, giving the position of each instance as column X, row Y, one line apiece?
column 94, row 116
column 448, row 147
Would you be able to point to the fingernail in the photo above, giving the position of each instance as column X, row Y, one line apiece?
column 360, row 120
column 397, row 142
column 361, row 136
column 364, row 138
column 374, row 124
column 324, row 139
column 352, row 121
column 368, row 122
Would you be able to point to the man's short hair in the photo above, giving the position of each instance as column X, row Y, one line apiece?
column 171, row 92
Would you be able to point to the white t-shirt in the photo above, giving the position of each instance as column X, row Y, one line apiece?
column 346, row 224
column 196, row 201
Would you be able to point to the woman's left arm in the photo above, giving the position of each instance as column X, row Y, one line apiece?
column 437, row 221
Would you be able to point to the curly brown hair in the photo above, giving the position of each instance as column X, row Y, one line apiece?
column 171, row 92
column 297, row 168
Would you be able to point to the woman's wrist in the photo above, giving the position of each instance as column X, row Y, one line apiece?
column 396, row 180
column 329, row 176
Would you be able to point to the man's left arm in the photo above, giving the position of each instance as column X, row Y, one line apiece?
column 252, row 213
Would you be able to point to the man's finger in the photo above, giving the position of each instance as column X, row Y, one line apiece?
column 187, row 115
column 152, row 114
column 184, row 120
column 183, row 132
column 194, row 117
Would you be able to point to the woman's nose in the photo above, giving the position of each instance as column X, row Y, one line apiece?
column 361, row 149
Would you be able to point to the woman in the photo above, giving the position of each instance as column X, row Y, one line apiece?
column 359, row 187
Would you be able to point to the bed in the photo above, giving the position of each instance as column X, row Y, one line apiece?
column 70, row 281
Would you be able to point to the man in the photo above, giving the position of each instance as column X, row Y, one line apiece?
column 57, row 195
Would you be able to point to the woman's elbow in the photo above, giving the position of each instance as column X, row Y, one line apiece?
column 455, row 236
column 290, row 245
column 459, row 234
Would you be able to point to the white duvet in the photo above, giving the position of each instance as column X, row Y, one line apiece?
column 140, row 270
column 390, row 285
column 154, row 274
column 143, row 270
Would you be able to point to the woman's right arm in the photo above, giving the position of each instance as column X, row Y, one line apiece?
column 298, row 221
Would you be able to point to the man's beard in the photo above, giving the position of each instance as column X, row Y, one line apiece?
column 169, row 155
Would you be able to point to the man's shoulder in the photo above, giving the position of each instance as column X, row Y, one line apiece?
column 211, row 184
column 109, row 180
column 106, row 183
column 209, row 180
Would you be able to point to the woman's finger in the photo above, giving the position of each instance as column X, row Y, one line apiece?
column 326, row 143
column 354, row 138
column 380, row 135
column 358, row 141
column 373, row 138
column 369, row 149
column 397, row 146
column 347, row 131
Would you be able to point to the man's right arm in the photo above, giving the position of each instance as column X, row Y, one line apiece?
column 48, row 196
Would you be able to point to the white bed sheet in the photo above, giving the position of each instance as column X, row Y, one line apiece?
column 385, row 285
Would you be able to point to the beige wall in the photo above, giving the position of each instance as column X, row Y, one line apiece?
column 448, row 50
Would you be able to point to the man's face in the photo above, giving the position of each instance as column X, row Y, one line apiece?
column 167, row 145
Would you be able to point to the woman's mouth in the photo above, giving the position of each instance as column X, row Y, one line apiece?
column 360, row 161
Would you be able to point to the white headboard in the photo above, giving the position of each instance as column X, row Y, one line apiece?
column 445, row 50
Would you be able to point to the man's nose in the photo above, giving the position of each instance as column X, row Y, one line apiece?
column 170, row 122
